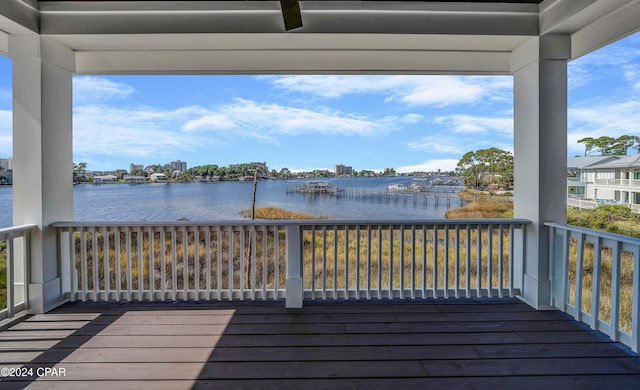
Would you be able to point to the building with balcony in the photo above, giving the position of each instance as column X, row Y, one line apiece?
column 178, row 165
column 340, row 169
column 406, row 316
column 135, row 167
column 604, row 180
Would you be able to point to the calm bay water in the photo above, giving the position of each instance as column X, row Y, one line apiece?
column 224, row 201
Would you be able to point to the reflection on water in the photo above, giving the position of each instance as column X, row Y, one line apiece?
column 224, row 201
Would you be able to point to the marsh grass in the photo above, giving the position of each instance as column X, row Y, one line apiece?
column 605, row 277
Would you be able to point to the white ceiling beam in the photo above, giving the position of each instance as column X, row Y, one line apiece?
column 293, row 62
column 591, row 23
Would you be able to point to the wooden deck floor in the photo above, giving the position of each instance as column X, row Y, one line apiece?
column 374, row 345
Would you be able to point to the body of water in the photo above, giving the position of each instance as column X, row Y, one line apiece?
column 224, row 201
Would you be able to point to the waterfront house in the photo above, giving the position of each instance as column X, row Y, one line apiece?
column 605, row 180
column 105, row 179
column 158, row 177
column 490, row 338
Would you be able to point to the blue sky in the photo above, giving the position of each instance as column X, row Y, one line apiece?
column 313, row 122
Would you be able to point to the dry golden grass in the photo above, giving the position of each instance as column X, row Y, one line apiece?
column 476, row 210
column 273, row 213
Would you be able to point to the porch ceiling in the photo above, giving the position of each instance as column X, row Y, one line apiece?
column 461, row 37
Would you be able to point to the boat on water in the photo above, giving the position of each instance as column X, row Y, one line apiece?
column 317, row 187
column 397, row 187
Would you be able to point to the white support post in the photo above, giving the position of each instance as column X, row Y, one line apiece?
column 539, row 67
column 294, row 286
column 42, row 155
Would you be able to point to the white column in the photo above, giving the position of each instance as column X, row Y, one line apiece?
column 42, row 155
column 539, row 67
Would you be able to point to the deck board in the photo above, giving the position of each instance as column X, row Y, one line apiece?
column 373, row 345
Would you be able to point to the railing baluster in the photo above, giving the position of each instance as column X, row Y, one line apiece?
column 107, row 268
column 242, row 260
column 128, row 259
column 335, row 261
column 424, row 261
column 253, row 262
column 196, row 262
column 152, row 263
column 512, row 261
column 163, row 262
column 207, row 242
column 346, row 262
column 379, row 261
column 313, row 262
column 500, row 259
column 391, row 238
column 73, row 271
column 219, row 260
column 358, row 262
column 368, row 261
column 479, row 262
column 324, row 262
column 277, row 250
column 615, row 292
column 174, row 265
column 185, row 262
column 490, row 260
column 264, row 261
column 446, row 261
column 94, row 263
column 83, row 264
column 402, row 270
column 140, row 236
column 10, row 264
column 595, row 295
column 230, row 232
column 118, row 260
column 435, row 261
column 467, row 266
column 578, row 287
column 413, row 261
column 457, row 254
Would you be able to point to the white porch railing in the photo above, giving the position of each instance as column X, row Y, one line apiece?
column 596, row 279
column 16, row 248
column 293, row 259
column 582, row 203
column 618, row 182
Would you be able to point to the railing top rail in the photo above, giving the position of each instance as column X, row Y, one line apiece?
column 430, row 222
column 16, row 229
column 591, row 232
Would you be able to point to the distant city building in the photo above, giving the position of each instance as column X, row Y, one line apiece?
column 134, row 167
column 340, row 169
column 178, row 165
column 6, row 164
column 262, row 165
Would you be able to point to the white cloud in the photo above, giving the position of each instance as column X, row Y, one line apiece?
column 254, row 119
column 146, row 132
column 437, row 144
column 608, row 119
column 91, row 88
column 437, row 91
column 430, row 166
column 471, row 124
column 135, row 132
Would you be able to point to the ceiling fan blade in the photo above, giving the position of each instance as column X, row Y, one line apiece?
column 291, row 14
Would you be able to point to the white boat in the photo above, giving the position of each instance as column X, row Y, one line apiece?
column 396, row 187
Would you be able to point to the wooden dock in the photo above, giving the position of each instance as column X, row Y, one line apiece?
column 439, row 196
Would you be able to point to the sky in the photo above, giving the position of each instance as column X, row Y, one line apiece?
column 409, row 123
